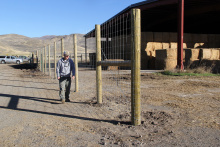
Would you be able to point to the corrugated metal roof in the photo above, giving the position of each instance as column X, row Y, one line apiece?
column 158, row 15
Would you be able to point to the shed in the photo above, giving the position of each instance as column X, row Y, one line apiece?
column 159, row 27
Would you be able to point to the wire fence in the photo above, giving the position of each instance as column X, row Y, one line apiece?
column 49, row 55
column 117, row 55
column 116, row 47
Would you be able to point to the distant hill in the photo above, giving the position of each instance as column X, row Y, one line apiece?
column 14, row 44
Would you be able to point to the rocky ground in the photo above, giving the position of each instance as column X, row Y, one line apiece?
column 175, row 111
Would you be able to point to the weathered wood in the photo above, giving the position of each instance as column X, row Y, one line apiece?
column 62, row 47
column 85, row 49
column 76, row 63
column 55, row 64
column 115, row 63
column 45, row 59
column 42, row 63
column 49, row 60
column 98, row 67
column 135, row 67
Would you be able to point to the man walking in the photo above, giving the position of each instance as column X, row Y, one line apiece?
column 64, row 68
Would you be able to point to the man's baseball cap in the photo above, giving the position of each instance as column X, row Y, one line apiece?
column 66, row 53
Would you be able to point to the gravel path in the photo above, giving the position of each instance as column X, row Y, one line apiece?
column 176, row 111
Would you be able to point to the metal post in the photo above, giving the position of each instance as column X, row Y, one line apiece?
column 98, row 67
column 180, row 35
column 55, row 65
column 76, row 63
column 135, row 67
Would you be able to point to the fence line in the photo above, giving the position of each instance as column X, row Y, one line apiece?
column 117, row 61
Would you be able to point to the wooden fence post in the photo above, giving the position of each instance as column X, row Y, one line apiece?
column 45, row 59
column 40, row 57
column 135, row 66
column 62, row 47
column 76, row 63
column 98, row 67
column 86, row 50
column 49, row 60
column 42, row 60
column 55, row 65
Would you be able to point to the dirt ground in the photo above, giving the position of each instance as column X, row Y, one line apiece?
column 175, row 111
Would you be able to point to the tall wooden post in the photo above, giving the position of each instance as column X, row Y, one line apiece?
column 86, row 50
column 55, row 64
column 43, row 69
column 76, row 63
column 135, row 66
column 62, row 47
column 49, row 60
column 98, row 67
column 37, row 59
column 40, row 57
column 45, row 60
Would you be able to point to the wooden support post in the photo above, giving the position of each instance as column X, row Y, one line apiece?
column 37, row 59
column 98, row 67
column 76, row 63
column 62, row 47
column 45, row 60
column 41, row 60
column 40, row 57
column 85, row 50
column 55, row 64
column 135, row 67
column 49, row 60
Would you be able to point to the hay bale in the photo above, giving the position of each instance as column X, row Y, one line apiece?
column 215, row 54
column 198, row 45
column 165, row 45
column 172, row 54
column 158, row 45
column 206, row 53
column 195, row 54
column 150, row 48
column 173, row 45
column 170, row 64
column 166, row 59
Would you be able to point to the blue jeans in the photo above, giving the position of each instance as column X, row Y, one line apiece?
column 64, row 84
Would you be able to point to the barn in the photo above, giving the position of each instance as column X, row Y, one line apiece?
column 174, row 33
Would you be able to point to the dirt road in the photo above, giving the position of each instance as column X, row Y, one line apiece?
column 176, row 111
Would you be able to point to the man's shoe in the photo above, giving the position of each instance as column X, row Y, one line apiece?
column 63, row 101
column 67, row 100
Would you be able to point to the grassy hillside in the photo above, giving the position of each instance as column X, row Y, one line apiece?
column 13, row 44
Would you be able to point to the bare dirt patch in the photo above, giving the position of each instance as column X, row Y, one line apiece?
column 175, row 111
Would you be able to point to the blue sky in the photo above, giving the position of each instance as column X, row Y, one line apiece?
column 36, row 18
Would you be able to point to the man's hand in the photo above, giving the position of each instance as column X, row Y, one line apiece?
column 58, row 78
column 73, row 77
